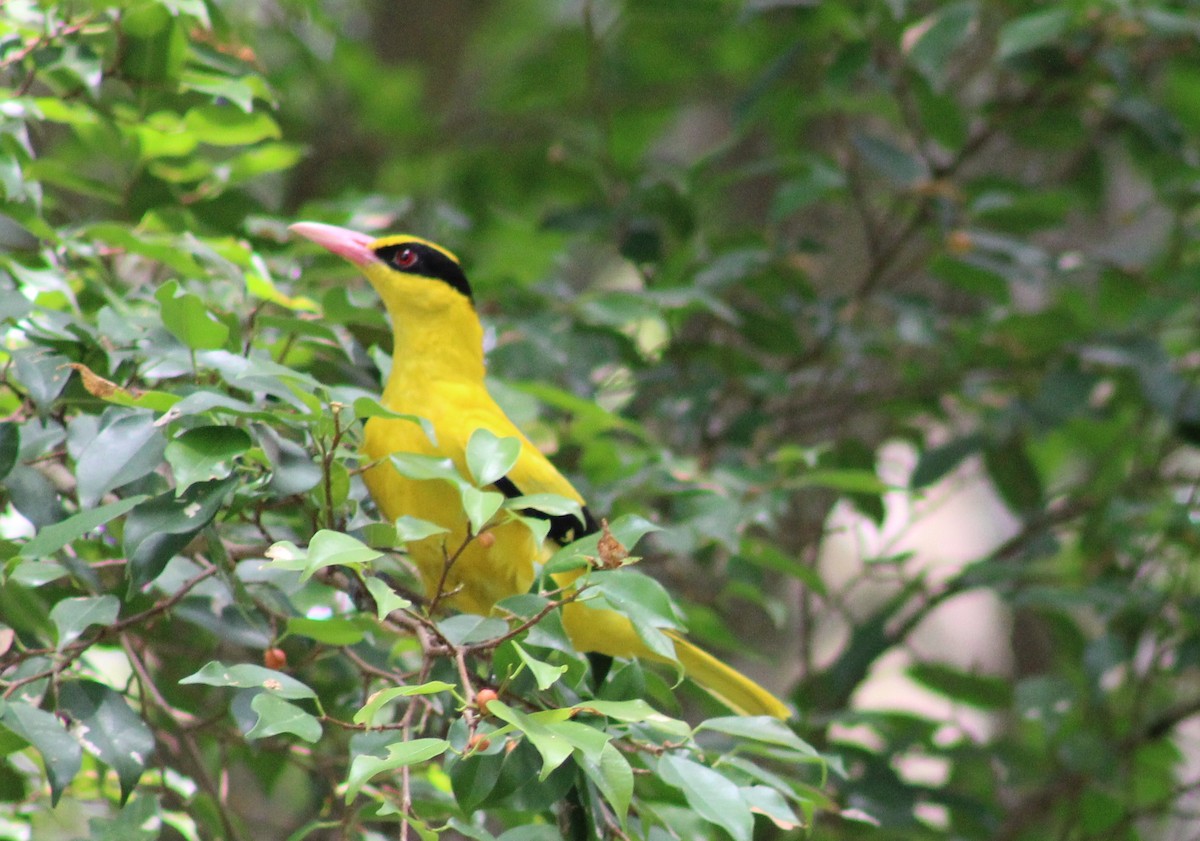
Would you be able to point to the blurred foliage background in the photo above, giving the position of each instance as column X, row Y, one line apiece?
column 885, row 313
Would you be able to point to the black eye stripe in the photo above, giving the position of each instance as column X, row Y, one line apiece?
column 419, row 259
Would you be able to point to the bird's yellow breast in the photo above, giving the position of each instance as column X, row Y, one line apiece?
column 483, row 572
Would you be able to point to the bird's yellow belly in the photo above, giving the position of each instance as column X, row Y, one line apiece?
column 472, row 578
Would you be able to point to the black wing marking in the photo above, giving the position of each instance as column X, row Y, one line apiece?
column 563, row 527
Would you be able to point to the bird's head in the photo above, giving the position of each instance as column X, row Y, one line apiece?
column 410, row 274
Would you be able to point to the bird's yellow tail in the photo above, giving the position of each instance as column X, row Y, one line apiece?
column 726, row 684
column 608, row 632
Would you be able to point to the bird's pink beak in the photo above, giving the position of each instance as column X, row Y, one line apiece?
column 343, row 242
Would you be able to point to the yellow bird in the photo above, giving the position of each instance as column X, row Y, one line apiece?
column 438, row 374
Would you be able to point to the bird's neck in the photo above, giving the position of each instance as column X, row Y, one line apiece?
column 445, row 347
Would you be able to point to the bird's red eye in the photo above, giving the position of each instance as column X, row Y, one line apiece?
column 406, row 258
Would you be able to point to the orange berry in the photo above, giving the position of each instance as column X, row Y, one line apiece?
column 959, row 242
column 275, row 658
column 478, row 742
column 487, row 540
column 484, row 697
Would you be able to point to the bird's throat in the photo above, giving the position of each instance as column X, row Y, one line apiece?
column 429, row 348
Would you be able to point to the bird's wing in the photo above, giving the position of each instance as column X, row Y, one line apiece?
column 532, row 474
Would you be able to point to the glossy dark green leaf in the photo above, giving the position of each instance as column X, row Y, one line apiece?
column 710, row 794
column 127, row 448
column 294, row 470
column 109, row 729
column 465, row 628
column 60, row 752
column 161, row 526
column 1015, row 475
column 74, row 616
column 474, row 777
column 50, row 539
column 937, row 462
column 613, row 776
column 155, row 43
column 643, row 600
column 10, row 446
column 33, row 496
column 140, row 819
column 42, row 374
column 205, row 452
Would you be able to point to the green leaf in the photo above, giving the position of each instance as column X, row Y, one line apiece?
column 554, row 505
column 767, row 801
column 474, row 777
column 932, row 40
column 250, row 676
column 760, row 728
column 275, row 716
column 1031, row 31
column 643, row 600
column 399, row 755
column 127, row 448
column 43, row 374
column 490, row 457
column 60, row 752
column 205, row 452
column 1015, row 475
column 935, row 463
column 154, row 44
column 335, row 630
column 842, row 480
column 327, row 548
column 10, row 446
column 710, row 795
column 613, row 777
column 37, row 573
column 109, row 729
column 377, row 701
column 367, row 407
column 551, row 744
column 52, row 538
column 984, row 691
column 409, row 529
column 331, row 548
column 189, row 320
column 162, row 526
column 889, row 160
column 638, row 711
column 386, row 599
column 543, row 673
column 480, row 506
column 817, row 182
column 414, row 466
column 74, row 616
column 465, row 628
column 228, row 125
